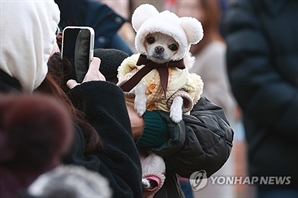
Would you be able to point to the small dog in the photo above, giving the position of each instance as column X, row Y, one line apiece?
column 160, row 48
column 157, row 77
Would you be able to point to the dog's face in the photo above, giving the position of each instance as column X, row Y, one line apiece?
column 160, row 48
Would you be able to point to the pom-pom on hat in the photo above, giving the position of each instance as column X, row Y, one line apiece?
column 185, row 30
column 35, row 131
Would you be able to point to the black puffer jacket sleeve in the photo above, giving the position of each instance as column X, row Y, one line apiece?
column 202, row 141
column 104, row 105
column 262, row 67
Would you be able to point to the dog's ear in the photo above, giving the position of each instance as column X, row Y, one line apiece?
column 192, row 28
column 141, row 14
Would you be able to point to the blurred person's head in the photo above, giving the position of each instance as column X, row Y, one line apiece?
column 121, row 7
column 208, row 12
column 36, row 132
column 125, row 9
column 27, row 39
column 70, row 181
column 28, row 42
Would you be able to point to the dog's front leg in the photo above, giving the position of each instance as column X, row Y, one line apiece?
column 140, row 98
column 176, row 109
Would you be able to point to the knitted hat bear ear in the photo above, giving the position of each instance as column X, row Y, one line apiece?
column 193, row 29
column 141, row 14
column 185, row 30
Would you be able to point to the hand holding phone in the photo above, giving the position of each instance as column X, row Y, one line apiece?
column 93, row 74
column 78, row 46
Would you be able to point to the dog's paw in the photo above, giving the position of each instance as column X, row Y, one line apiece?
column 176, row 116
column 140, row 107
column 146, row 183
column 140, row 99
column 176, row 110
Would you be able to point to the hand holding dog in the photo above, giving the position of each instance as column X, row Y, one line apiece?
column 137, row 122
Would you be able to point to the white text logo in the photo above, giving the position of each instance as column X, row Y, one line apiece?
column 198, row 180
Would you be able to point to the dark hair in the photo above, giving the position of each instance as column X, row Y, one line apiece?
column 210, row 23
column 59, row 39
column 131, row 8
column 60, row 70
column 54, row 84
column 212, row 11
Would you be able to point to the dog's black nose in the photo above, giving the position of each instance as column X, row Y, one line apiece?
column 159, row 49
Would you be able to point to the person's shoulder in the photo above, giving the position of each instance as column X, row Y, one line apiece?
column 212, row 52
column 8, row 83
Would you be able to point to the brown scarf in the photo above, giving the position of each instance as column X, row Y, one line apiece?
column 150, row 65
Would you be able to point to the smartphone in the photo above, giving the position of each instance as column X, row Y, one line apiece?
column 78, row 47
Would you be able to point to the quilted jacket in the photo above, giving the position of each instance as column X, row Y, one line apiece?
column 262, row 59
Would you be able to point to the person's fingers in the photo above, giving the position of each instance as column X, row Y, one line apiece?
column 93, row 73
column 71, row 83
column 95, row 64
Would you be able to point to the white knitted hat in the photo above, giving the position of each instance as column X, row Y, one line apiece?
column 27, row 36
column 185, row 30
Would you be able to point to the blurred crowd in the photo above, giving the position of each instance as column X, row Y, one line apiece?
column 248, row 60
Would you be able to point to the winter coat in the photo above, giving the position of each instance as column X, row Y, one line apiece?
column 106, row 111
column 202, row 141
column 97, row 15
column 262, row 60
column 195, row 144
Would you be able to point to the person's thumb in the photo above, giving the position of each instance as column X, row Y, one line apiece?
column 95, row 64
column 71, row 83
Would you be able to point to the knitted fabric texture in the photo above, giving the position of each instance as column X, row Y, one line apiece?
column 155, row 132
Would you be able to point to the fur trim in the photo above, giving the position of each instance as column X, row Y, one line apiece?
column 64, row 180
column 127, row 65
column 189, row 60
column 187, row 100
column 162, row 178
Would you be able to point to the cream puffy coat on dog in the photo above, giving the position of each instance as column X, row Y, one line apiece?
column 180, row 83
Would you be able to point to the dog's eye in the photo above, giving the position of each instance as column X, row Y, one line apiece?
column 150, row 40
column 173, row 47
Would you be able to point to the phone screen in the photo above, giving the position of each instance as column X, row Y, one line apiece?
column 76, row 41
column 76, row 48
